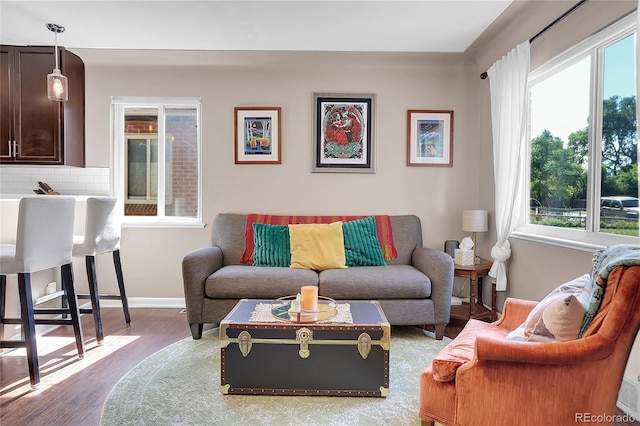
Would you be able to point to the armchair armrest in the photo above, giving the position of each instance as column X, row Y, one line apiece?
column 196, row 268
column 501, row 372
column 438, row 266
column 589, row 349
column 515, row 312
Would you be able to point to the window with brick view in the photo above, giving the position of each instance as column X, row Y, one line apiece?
column 159, row 179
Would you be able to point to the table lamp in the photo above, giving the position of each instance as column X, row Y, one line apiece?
column 475, row 221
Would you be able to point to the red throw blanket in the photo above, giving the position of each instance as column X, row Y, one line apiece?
column 383, row 227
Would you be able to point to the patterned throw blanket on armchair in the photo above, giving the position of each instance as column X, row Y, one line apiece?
column 603, row 263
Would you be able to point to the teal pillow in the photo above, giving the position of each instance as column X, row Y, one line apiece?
column 271, row 245
column 361, row 244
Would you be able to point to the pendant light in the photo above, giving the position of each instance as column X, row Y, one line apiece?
column 57, row 86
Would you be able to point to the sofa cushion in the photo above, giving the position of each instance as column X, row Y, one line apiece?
column 242, row 281
column 271, row 245
column 317, row 246
column 375, row 282
column 361, row 244
column 461, row 349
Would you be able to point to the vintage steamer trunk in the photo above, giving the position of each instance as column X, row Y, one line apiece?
column 287, row 358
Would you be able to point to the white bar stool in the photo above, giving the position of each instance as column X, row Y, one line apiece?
column 101, row 235
column 44, row 240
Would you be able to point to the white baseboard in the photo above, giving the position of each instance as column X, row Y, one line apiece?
column 147, row 302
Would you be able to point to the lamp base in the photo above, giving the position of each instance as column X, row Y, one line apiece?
column 476, row 258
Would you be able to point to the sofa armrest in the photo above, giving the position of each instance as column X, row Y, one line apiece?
column 593, row 348
column 196, row 268
column 515, row 312
column 438, row 266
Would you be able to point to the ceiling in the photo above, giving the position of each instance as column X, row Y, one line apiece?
column 309, row 25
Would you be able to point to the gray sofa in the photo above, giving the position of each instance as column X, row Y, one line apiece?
column 413, row 289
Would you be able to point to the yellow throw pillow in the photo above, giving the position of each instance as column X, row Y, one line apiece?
column 317, row 246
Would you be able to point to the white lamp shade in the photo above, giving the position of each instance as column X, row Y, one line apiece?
column 475, row 220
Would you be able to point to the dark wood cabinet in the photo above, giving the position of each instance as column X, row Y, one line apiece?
column 34, row 129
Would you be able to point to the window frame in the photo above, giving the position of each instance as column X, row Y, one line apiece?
column 119, row 153
column 589, row 239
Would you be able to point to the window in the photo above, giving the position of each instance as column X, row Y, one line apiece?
column 583, row 163
column 142, row 169
column 159, row 182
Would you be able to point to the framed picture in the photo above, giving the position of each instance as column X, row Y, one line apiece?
column 257, row 135
column 429, row 138
column 343, row 133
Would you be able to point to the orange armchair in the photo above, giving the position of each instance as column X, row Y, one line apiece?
column 509, row 383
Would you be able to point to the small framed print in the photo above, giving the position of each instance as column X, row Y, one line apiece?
column 257, row 135
column 343, row 133
column 429, row 138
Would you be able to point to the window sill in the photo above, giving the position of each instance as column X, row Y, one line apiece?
column 155, row 223
column 571, row 239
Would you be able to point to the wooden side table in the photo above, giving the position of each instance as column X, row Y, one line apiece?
column 476, row 273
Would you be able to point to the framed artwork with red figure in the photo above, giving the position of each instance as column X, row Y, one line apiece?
column 257, row 135
column 343, row 133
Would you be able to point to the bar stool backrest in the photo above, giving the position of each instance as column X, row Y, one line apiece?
column 102, row 227
column 45, row 233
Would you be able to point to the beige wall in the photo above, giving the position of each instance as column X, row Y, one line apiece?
column 288, row 79
column 152, row 257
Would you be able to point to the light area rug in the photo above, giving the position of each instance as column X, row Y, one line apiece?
column 180, row 385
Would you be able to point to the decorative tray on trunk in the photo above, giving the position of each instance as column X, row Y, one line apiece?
column 327, row 309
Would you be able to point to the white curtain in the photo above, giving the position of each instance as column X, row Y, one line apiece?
column 509, row 115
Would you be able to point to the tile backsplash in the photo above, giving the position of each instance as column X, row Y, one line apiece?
column 66, row 180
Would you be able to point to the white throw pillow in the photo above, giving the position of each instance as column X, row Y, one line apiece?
column 556, row 316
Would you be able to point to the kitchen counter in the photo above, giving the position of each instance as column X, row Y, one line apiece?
column 17, row 197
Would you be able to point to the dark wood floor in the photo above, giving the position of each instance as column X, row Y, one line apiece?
column 72, row 391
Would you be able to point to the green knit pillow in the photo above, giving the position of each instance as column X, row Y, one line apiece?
column 271, row 245
column 361, row 244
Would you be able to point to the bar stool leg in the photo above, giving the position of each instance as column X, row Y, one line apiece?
column 29, row 328
column 67, row 283
column 3, row 298
column 90, row 263
column 123, row 292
